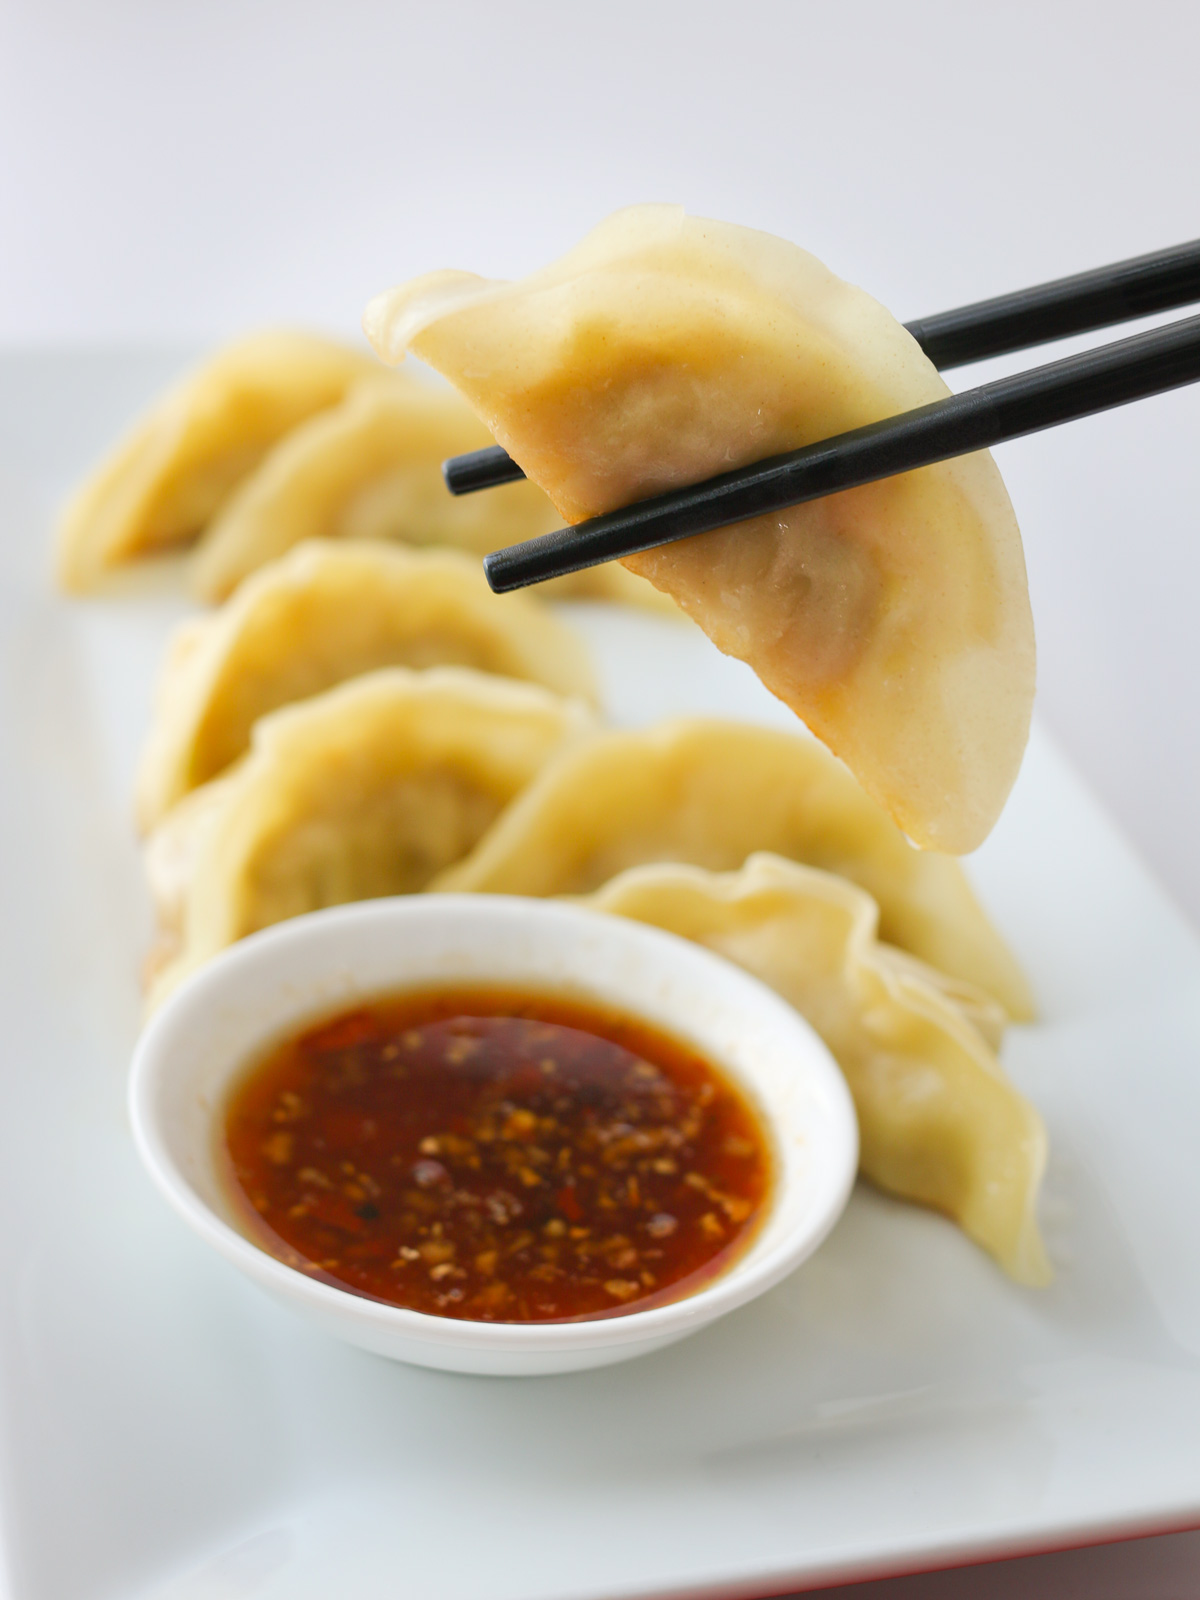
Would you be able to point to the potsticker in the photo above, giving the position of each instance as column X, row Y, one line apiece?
column 711, row 793
column 371, row 468
column 893, row 619
column 182, row 460
column 369, row 789
column 324, row 613
column 939, row 1121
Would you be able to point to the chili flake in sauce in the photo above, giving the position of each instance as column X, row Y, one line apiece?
column 498, row 1157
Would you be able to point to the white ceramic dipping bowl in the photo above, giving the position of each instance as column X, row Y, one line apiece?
column 273, row 983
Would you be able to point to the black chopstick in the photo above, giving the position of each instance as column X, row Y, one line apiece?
column 1114, row 375
column 1102, row 298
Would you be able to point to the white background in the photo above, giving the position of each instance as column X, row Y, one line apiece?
column 180, row 172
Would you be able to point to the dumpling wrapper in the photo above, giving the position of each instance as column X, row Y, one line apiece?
column 324, row 613
column 180, row 462
column 371, row 468
column 984, row 1013
column 369, row 789
column 939, row 1121
column 893, row 619
column 710, row 794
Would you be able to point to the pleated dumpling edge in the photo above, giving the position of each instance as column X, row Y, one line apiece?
column 324, row 613
column 940, row 1123
column 710, row 793
column 371, row 788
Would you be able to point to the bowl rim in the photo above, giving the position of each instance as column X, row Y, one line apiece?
column 744, row 1279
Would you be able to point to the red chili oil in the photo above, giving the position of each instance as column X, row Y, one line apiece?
column 496, row 1156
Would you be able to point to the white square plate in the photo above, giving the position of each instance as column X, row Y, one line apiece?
column 166, row 1432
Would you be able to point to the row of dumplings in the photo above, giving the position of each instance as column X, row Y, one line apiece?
column 893, row 619
column 361, row 719
column 288, row 436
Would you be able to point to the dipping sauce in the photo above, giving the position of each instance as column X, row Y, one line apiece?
column 496, row 1156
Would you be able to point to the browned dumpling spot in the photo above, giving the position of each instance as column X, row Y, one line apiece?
column 893, row 619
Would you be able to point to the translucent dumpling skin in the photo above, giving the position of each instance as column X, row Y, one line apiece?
column 893, row 619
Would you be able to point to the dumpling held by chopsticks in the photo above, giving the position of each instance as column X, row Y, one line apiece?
column 894, row 619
